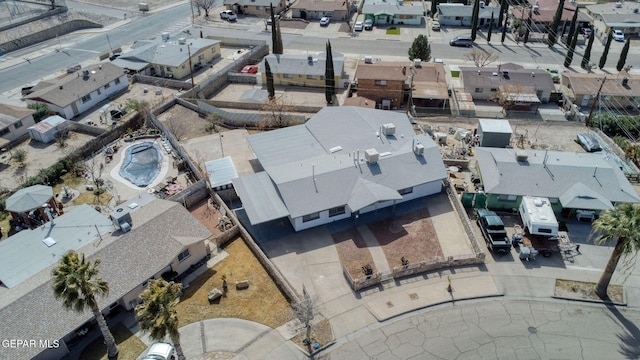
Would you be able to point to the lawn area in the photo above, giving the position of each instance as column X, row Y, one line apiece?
column 411, row 236
column 262, row 302
column 353, row 252
column 393, row 31
column 129, row 346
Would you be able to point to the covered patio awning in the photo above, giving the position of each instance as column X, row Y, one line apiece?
column 260, row 198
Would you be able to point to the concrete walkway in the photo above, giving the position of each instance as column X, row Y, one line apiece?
column 379, row 258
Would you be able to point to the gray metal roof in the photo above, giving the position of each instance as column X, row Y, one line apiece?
column 220, row 171
column 130, row 63
column 553, row 174
column 161, row 229
column 486, row 77
column 299, row 64
column 168, row 53
column 25, row 254
column 313, row 167
column 392, row 9
column 260, row 198
column 254, row 96
column 495, row 126
column 29, row 198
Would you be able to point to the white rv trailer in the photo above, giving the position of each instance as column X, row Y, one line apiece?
column 538, row 216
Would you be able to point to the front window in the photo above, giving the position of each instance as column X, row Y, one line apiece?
column 18, row 124
column 405, row 191
column 4, row 131
column 117, row 81
column 183, row 255
column 310, row 77
column 310, row 217
column 507, row 197
column 336, row 211
column 381, row 82
column 86, row 98
column 107, row 86
column 478, row 90
column 287, row 76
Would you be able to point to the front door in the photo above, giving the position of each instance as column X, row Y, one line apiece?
column 585, row 100
column 386, row 104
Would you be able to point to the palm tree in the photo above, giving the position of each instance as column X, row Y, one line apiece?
column 621, row 223
column 157, row 313
column 76, row 284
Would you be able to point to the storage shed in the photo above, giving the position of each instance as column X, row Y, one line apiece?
column 46, row 130
column 494, row 133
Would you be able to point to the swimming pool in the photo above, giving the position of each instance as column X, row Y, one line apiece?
column 142, row 163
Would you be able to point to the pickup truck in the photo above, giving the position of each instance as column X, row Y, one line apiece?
column 493, row 231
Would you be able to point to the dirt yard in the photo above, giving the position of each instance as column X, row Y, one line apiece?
column 411, row 236
column 184, row 123
column 353, row 252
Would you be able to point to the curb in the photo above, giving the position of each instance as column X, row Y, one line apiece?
column 588, row 301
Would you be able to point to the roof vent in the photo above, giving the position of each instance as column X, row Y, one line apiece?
column 368, row 60
column 49, row 241
column 310, row 59
column 505, row 73
column 618, row 4
column 418, row 148
column 625, row 81
column 182, row 41
column 536, row 9
column 165, row 36
column 371, row 155
column 85, row 73
column 495, row 74
column 533, row 74
column 417, row 63
column 335, row 149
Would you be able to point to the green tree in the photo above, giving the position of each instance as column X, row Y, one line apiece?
column 586, row 58
column 474, row 19
column 490, row 29
column 42, row 110
column 76, row 284
column 434, row 8
column 605, row 52
column 572, row 48
column 527, row 29
column 276, row 38
column 504, row 7
column 623, row 54
column 420, row 49
column 157, row 314
column 19, row 156
column 553, row 30
column 269, row 76
column 329, row 77
column 572, row 26
column 620, row 224
column 504, row 29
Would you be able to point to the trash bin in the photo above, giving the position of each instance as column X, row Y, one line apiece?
column 516, row 239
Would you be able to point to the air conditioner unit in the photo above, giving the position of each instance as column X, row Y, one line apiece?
column 418, row 149
column 371, row 155
column 388, row 129
column 121, row 219
column 368, row 60
column 522, row 156
column 625, row 81
column 417, row 63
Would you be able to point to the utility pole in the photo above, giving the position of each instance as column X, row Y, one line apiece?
column 588, row 121
column 190, row 67
column 193, row 16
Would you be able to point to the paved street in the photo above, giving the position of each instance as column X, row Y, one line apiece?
column 500, row 329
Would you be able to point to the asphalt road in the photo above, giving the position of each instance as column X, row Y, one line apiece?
column 500, row 329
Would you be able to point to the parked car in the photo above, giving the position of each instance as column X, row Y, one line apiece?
column 228, row 15
column 555, row 76
column 586, row 31
column 368, row 24
column 435, row 26
column 160, row 351
column 277, row 17
column 249, row 69
column 358, row 26
column 589, row 142
column 325, row 21
column 618, row 35
column 461, row 41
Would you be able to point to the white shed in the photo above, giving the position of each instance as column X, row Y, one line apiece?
column 46, row 130
column 494, row 133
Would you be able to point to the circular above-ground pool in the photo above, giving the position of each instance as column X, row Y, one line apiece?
column 142, row 163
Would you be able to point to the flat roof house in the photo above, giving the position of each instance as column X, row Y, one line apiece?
column 162, row 236
column 391, row 12
column 511, row 85
column 343, row 162
column 302, row 70
column 14, row 122
column 543, row 11
column 169, row 58
column 77, row 92
column 620, row 15
column 619, row 91
column 571, row 181
column 316, row 9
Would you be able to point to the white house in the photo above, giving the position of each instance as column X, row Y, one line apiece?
column 14, row 122
column 77, row 92
column 343, row 162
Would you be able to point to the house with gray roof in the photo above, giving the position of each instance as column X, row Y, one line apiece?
column 343, row 162
column 171, row 59
column 456, row 14
column 258, row 8
column 163, row 237
column 571, row 181
column 621, row 15
column 513, row 86
column 302, row 70
column 316, row 9
column 79, row 91
column 384, row 12
column 14, row 122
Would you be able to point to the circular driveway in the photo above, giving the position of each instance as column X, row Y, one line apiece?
column 500, row 329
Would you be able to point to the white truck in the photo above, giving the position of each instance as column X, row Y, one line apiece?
column 538, row 216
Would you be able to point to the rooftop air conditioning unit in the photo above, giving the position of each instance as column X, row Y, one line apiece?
column 625, row 81
column 165, row 36
column 495, row 74
column 182, row 41
column 482, row 4
column 371, row 155
column 121, row 219
column 417, row 63
column 368, row 60
column 536, row 9
column 388, row 129
column 522, row 156
column 618, row 4
column 418, row 148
